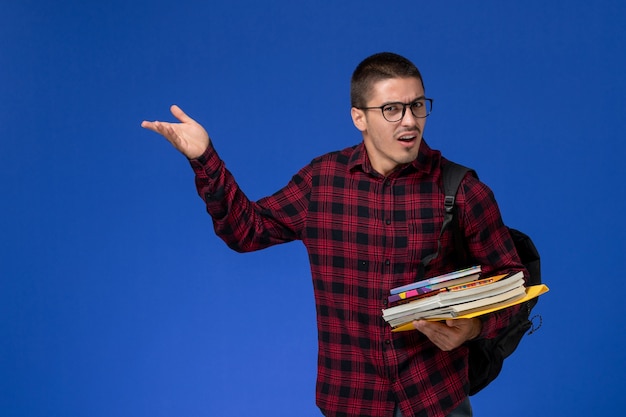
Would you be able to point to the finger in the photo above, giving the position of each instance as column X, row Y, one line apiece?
column 149, row 125
column 157, row 127
column 430, row 329
column 180, row 114
column 438, row 333
column 459, row 324
column 467, row 328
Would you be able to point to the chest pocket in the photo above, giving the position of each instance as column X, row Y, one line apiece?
column 423, row 233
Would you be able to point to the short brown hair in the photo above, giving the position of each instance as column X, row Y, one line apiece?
column 380, row 66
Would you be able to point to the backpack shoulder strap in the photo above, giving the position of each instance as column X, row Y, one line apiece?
column 452, row 176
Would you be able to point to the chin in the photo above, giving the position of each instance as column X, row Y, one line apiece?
column 409, row 156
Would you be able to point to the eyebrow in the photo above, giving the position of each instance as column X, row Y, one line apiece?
column 410, row 102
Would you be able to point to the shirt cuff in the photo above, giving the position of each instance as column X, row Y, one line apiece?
column 207, row 163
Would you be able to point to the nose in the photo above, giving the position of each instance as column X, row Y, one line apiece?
column 407, row 117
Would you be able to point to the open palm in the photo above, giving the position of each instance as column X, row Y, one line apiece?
column 188, row 136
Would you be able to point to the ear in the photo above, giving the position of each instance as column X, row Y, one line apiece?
column 358, row 118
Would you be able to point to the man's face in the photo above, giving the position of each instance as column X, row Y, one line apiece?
column 391, row 144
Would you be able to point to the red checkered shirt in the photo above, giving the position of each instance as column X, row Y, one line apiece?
column 366, row 234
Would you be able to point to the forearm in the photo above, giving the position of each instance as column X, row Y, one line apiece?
column 243, row 224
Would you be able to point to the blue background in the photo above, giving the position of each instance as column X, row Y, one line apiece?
column 116, row 298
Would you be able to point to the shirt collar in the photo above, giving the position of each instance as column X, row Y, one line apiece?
column 426, row 160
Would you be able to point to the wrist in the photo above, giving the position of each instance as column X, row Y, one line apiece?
column 477, row 327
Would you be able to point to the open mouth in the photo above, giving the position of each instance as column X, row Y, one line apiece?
column 407, row 138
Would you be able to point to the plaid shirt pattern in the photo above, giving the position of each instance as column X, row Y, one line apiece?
column 366, row 234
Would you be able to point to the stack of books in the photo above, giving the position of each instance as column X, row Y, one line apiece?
column 463, row 293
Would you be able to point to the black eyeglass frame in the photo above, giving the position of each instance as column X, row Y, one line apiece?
column 404, row 106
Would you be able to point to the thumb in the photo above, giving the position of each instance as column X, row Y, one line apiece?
column 180, row 114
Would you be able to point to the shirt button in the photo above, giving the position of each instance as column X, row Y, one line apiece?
column 387, row 262
column 388, row 221
column 385, row 302
column 387, row 341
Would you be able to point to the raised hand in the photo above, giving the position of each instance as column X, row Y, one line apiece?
column 188, row 136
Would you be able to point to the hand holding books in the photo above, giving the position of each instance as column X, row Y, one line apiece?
column 450, row 334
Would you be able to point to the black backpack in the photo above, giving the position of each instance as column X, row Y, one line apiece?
column 486, row 356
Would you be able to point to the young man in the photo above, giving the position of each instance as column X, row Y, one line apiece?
column 367, row 215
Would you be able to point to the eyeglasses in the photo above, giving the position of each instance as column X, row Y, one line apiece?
column 394, row 112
